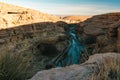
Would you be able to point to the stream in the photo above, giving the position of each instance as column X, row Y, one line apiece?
column 71, row 54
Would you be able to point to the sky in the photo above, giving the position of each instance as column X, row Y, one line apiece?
column 69, row 7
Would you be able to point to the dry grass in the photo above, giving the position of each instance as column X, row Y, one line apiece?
column 108, row 71
column 13, row 66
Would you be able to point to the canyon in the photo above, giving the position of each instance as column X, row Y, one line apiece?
column 41, row 37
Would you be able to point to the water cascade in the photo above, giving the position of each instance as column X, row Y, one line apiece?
column 71, row 54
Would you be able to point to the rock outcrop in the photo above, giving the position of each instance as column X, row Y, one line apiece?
column 98, row 24
column 105, row 28
column 40, row 42
column 47, row 31
column 98, row 64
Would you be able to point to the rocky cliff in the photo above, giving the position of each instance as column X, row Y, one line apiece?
column 99, row 23
column 40, row 42
column 105, row 28
column 45, row 30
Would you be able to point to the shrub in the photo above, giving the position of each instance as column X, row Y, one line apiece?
column 13, row 66
column 110, row 71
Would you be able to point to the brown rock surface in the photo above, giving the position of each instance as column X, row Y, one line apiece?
column 118, row 42
column 47, row 31
column 105, row 28
column 99, row 23
column 39, row 41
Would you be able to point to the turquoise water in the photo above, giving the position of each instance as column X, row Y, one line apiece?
column 71, row 55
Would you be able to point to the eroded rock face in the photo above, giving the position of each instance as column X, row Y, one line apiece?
column 98, row 24
column 86, row 71
column 118, row 38
column 47, row 31
column 39, row 41
column 105, row 28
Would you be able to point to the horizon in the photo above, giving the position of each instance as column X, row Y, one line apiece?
column 73, row 7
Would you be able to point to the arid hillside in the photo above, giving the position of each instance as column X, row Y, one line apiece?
column 11, row 15
column 74, row 19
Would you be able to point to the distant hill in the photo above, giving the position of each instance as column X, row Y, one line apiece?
column 75, row 18
column 11, row 15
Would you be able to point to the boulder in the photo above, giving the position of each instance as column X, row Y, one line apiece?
column 97, row 64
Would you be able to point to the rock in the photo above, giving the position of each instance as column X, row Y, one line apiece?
column 85, row 71
column 42, row 41
column 97, row 24
column 93, row 31
column 2, row 41
column 113, row 30
column 103, row 25
column 47, row 31
column 118, row 42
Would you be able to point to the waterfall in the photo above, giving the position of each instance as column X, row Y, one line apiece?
column 71, row 54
